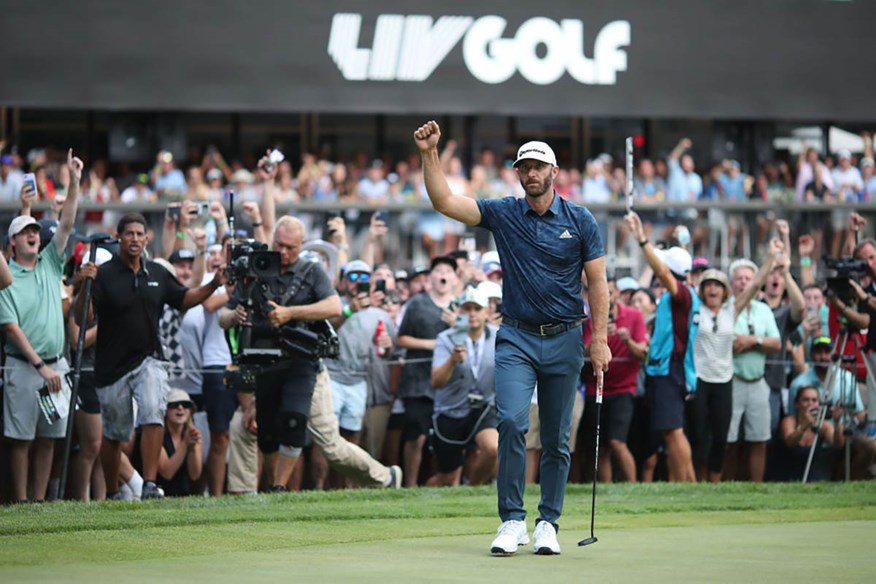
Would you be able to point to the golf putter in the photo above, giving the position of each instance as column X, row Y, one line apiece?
column 592, row 538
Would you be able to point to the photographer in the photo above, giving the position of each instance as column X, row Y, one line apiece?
column 464, row 375
column 859, row 309
column 298, row 390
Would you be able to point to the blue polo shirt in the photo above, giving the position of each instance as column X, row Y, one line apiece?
column 542, row 256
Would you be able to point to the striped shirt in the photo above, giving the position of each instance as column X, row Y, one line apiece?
column 713, row 346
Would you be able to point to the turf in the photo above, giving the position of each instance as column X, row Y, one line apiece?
column 658, row 533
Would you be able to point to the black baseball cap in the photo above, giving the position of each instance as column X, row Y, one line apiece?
column 443, row 260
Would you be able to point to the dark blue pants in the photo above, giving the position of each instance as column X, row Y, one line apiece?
column 522, row 360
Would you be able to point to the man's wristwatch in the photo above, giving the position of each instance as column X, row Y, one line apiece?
column 758, row 340
column 39, row 365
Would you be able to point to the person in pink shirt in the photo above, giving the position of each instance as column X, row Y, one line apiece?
column 627, row 339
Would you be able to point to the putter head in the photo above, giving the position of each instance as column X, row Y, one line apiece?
column 587, row 541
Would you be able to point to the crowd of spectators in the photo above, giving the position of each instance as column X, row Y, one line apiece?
column 399, row 354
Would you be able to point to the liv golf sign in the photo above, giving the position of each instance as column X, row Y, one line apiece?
column 410, row 48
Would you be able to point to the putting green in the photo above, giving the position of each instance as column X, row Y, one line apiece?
column 772, row 552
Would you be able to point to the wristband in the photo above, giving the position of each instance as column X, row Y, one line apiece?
column 222, row 222
column 643, row 243
column 181, row 234
column 39, row 365
column 806, row 261
column 348, row 311
column 259, row 224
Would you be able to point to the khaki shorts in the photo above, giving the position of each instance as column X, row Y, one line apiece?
column 533, row 436
column 751, row 407
column 22, row 418
column 147, row 384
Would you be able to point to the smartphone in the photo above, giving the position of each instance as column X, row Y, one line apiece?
column 380, row 286
column 276, row 157
column 174, row 213
column 30, row 179
column 363, row 287
column 203, row 208
column 382, row 216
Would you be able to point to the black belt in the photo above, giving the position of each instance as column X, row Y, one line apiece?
column 756, row 379
column 46, row 360
column 544, row 330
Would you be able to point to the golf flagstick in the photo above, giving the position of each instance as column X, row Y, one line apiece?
column 592, row 538
column 631, row 197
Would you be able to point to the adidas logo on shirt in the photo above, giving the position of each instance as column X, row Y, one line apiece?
column 565, row 234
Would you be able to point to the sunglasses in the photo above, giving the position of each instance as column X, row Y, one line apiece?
column 359, row 277
column 180, row 404
column 750, row 328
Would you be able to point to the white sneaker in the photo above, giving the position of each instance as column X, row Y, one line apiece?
column 509, row 535
column 545, row 536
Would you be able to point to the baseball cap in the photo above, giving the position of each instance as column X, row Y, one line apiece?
column 627, row 284
column 180, row 255
column 474, row 296
column 417, row 270
column 21, row 223
column 214, row 174
column 677, row 259
column 844, row 154
column 490, row 289
column 699, row 264
column 536, row 150
column 492, row 268
column 142, row 178
column 401, row 275
column 866, row 161
column 436, row 261
column 48, row 227
column 175, row 395
column 822, row 342
column 357, row 266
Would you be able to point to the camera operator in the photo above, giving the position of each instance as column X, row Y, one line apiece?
column 300, row 390
column 464, row 375
column 859, row 311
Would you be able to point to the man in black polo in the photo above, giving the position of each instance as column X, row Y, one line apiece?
column 128, row 295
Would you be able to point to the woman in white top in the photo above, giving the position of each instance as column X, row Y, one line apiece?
column 712, row 403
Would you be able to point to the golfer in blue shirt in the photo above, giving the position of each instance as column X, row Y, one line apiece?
column 544, row 242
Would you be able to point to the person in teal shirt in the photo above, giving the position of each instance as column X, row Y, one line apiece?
column 31, row 316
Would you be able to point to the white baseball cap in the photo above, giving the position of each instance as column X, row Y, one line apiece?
column 536, row 151
column 677, row 259
column 474, row 296
column 490, row 289
column 20, row 223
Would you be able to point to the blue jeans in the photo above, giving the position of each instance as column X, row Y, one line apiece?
column 522, row 360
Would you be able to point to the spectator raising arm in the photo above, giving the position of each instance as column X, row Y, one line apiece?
column 268, row 172
column 71, row 204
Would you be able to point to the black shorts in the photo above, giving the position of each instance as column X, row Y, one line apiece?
column 615, row 419
column 665, row 395
column 86, row 394
column 418, row 417
column 396, row 421
column 452, row 456
column 220, row 402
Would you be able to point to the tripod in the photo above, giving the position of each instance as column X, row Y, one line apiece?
column 847, row 387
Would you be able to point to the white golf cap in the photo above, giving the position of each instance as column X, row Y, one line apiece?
column 490, row 289
column 20, row 223
column 474, row 296
column 677, row 259
column 536, row 151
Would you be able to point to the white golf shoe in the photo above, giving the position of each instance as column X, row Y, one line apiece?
column 545, row 536
column 509, row 535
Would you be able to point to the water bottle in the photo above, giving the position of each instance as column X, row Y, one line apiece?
column 381, row 328
column 871, row 430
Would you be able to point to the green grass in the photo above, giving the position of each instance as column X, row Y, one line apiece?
column 735, row 531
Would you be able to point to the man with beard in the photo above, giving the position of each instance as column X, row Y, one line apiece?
column 128, row 296
column 544, row 242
